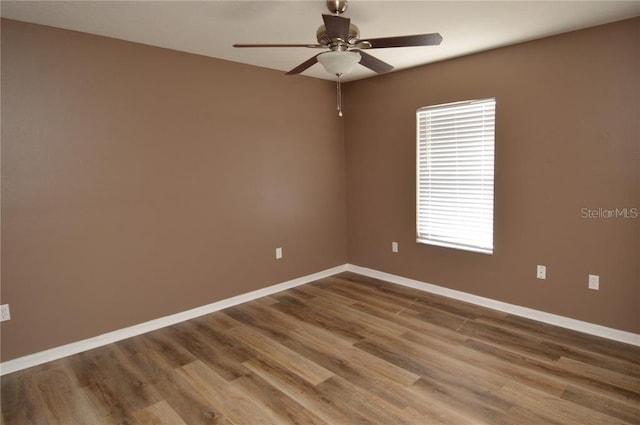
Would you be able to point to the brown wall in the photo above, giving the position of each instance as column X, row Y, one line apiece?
column 567, row 138
column 139, row 182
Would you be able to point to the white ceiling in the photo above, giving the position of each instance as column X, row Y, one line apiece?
column 211, row 27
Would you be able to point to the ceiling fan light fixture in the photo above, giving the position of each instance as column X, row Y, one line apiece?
column 339, row 62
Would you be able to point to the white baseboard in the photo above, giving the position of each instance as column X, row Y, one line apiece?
column 540, row 316
column 139, row 329
column 152, row 325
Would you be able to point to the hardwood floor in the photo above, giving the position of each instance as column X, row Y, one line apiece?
column 343, row 350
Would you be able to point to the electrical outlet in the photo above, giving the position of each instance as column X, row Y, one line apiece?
column 278, row 253
column 594, row 282
column 541, row 272
column 394, row 246
column 5, row 314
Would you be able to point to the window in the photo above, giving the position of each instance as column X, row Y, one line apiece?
column 455, row 167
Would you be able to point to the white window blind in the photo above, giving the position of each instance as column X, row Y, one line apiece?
column 455, row 169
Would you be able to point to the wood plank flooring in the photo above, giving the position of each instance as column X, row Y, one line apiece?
column 342, row 350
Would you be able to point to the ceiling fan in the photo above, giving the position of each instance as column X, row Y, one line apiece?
column 346, row 49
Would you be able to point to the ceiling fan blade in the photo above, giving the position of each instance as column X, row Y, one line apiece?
column 432, row 39
column 304, row 65
column 312, row 46
column 373, row 63
column 337, row 26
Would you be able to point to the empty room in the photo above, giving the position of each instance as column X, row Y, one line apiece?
column 320, row 212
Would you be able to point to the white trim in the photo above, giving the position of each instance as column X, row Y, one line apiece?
column 152, row 325
column 139, row 329
column 540, row 316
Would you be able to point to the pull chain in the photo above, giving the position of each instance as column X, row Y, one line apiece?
column 339, row 89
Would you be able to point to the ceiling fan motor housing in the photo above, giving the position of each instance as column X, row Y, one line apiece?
column 336, row 43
